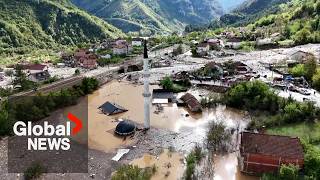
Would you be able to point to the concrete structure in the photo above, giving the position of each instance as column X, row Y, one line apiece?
column 146, row 94
column 263, row 153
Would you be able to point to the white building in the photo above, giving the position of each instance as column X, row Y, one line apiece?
column 137, row 42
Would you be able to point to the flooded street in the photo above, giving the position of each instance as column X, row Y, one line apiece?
column 174, row 127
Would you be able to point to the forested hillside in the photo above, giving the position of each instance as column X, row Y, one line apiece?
column 31, row 24
column 296, row 21
column 152, row 16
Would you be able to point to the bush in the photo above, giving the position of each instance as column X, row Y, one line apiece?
column 311, row 161
column 298, row 70
column 254, row 95
column 130, row 172
column 288, row 172
column 316, row 80
column 34, row 172
column 168, row 84
column 310, row 67
column 218, row 137
column 192, row 160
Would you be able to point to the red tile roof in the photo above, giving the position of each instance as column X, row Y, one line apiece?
column 271, row 145
column 34, row 66
column 203, row 45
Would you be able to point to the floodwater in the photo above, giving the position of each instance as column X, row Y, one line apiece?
column 168, row 164
column 191, row 127
column 225, row 167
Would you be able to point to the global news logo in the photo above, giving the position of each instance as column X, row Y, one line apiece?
column 47, row 136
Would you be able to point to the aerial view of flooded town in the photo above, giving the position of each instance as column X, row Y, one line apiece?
column 236, row 98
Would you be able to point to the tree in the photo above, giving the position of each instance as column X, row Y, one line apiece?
column 21, row 79
column 298, row 70
column 218, row 136
column 167, row 83
column 302, row 36
column 316, row 80
column 318, row 8
column 310, row 67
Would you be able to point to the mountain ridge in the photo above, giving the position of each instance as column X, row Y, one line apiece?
column 164, row 16
column 33, row 24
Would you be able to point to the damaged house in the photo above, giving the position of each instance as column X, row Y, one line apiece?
column 36, row 72
column 192, row 102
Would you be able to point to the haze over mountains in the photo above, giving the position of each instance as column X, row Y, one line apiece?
column 229, row 5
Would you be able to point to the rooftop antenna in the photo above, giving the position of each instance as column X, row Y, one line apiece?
column 146, row 93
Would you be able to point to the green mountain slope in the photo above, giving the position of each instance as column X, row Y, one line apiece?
column 250, row 10
column 32, row 24
column 295, row 22
column 153, row 16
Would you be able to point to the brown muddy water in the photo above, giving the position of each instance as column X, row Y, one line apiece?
column 192, row 128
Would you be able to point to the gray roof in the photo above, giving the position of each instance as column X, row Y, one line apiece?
column 112, row 108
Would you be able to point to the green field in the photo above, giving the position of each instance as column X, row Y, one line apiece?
column 306, row 131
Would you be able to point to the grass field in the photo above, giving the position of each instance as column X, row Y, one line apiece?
column 306, row 131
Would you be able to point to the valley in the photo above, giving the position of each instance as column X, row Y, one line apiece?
column 161, row 89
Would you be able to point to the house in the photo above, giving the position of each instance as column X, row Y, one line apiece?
column 34, row 68
column 86, row 59
column 109, row 108
column 121, row 49
column 233, row 45
column 241, row 68
column 107, row 44
column 192, row 103
column 162, row 96
column 301, row 56
column 263, row 153
column 202, row 49
column 89, row 62
column 68, row 60
column 266, row 42
column 107, row 56
column 136, row 41
column 121, row 42
column 39, row 76
column 216, row 43
column 36, row 72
